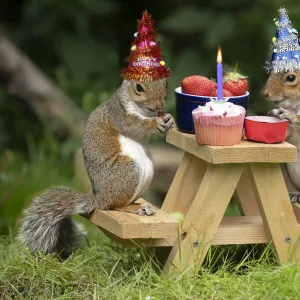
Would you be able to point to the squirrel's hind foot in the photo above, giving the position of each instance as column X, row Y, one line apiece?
column 139, row 209
column 146, row 210
column 294, row 197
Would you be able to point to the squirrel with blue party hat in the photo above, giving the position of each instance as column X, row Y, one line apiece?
column 283, row 87
column 116, row 160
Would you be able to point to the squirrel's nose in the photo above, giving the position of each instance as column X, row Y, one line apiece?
column 159, row 106
column 265, row 93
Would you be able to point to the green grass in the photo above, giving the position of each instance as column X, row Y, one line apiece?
column 100, row 269
column 103, row 270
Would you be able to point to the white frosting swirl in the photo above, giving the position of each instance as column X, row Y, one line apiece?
column 221, row 109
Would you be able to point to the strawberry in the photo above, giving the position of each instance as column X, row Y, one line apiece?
column 226, row 93
column 197, row 85
column 236, row 83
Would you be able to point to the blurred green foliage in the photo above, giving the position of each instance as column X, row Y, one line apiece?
column 48, row 163
column 82, row 45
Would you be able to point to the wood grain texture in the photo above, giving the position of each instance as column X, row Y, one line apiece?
column 132, row 226
column 276, row 210
column 241, row 230
column 204, row 216
column 161, row 243
column 182, row 191
column 232, row 230
column 245, row 195
column 245, row 152
column 185, row 184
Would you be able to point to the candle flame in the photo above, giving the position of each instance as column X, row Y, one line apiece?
column 219, row 56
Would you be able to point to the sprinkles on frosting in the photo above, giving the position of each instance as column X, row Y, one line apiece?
column 226, row 109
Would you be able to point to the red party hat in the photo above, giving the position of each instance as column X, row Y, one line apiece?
column 145, row 60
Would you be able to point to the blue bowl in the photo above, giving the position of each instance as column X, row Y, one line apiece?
column 186, row 103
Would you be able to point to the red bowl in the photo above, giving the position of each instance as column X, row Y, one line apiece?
column 266, row 129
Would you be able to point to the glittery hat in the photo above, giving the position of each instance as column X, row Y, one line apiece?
column 145, row 60
column 285, row 48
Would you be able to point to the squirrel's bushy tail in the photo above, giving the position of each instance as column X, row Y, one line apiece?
column 47, row 226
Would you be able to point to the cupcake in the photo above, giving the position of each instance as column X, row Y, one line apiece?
column 219, row 123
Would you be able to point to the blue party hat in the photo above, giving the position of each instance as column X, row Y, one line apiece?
column 285, row 48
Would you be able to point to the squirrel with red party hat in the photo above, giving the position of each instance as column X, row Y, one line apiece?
column 283, row 88
column 114, row 152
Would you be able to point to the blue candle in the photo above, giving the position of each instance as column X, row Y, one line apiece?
column 219, row 75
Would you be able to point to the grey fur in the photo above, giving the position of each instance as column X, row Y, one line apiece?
column 47, row 226
column 294, row 197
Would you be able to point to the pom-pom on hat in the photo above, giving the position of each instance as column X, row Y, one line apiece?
column 285, row 48
column 145, row 60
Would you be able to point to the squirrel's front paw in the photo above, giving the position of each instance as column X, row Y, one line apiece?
column 282, row 113
column 165, row 123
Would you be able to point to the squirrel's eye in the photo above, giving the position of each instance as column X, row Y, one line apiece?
column 291, row 78
column 139, row 88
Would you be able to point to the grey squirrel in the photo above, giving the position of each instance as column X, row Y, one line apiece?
column 283, row 89
column 117, row 163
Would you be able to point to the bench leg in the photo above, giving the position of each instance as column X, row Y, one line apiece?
column 276, row 210
column 204, row 216
column 185, row 184
column 245, row 195
column 182, row 192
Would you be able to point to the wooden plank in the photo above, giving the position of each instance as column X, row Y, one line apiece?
column 204, row 216
column 182, row 191
column 185, row 184
column 245, row 152
column 246, row 196
column 241, row 230
column 132, row 226
column 276, row 210
column 143, row 243
column 232, row 230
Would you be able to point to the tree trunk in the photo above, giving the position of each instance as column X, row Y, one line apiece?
column 21, row 78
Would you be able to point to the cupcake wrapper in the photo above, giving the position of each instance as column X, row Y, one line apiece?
column 218, row 130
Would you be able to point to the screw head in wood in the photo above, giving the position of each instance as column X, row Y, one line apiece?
column 287, row 239
column 196, row 244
